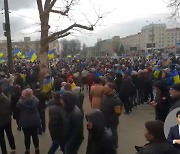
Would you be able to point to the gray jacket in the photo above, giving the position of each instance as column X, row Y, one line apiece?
column 5, row 110
column 29, row 115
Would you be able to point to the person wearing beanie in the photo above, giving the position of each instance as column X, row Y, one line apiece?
column 175, row 95
column 173, row 136
column 161, row 101
column 29, row 118
column 154, row 134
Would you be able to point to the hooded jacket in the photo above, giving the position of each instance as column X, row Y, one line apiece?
column 100, row 138
column 29, row 115
column 5, row 110
column 56, row 121
column 74, row 124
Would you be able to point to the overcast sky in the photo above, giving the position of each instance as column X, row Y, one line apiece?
column 120, row 17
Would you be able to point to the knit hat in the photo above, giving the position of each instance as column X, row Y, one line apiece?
column 156, row 129
column 27, row 92
column 176, row 87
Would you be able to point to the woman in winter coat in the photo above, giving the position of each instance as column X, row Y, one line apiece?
column 96, row 92
column 29, row 119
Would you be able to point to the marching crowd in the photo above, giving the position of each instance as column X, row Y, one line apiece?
column 112, row 84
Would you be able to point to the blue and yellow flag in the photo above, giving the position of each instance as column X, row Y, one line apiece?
column 32, row 56
column 17, row 52
column 51, row 54
column 1, row 54
column 47, row 85
column 175, row 76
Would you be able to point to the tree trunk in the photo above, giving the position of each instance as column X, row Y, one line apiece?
column 44, row 48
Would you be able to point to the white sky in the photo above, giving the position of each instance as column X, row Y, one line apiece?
column 126, row 17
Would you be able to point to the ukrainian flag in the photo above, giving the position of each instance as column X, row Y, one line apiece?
column 47, row 85
column 51, row 54
column 32, row 56
column 17, row 52
column 1, row 54
column 175, row 75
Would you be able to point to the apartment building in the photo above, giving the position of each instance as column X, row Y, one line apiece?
column 156, row 36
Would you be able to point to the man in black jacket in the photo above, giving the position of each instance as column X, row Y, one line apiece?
column 111, row 107
column 100, row 138
column 175, row 95
column 173, row 136
column 5, row 123
column 154, row 134
column 56, row 122
column 74, row 124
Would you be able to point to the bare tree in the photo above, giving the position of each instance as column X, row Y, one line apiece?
column 175, row 6
column 44, row 13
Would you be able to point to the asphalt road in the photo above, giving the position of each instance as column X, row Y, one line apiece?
column 130, row 132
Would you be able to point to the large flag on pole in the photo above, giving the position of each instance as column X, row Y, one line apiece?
column 32, row 56
column 51, row 54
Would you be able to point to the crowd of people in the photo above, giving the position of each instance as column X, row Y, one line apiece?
column 112, row 85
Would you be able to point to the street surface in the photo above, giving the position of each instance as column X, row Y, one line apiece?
column 130, row 131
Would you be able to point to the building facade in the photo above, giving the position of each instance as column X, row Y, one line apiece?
column 153, row 36
column 27, row 45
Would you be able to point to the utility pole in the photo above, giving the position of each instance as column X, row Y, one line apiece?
column 153, row 39
column 8, row 35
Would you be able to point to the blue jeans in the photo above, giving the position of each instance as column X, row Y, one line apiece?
column 55, row 145
column 115, row 135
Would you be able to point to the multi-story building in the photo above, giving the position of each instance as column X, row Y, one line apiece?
column 153, row 36
column 28, row 45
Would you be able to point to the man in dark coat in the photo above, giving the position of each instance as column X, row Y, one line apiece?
column 154, row 134
column 74, row 124
column 173, row 136
column 5, row 123
column 126, row 92
column 175, row 95
column 111, row 107
column 56, row 122
column 100, row 138
column 42, row 97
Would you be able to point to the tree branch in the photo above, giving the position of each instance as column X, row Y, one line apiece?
column 64, row 13
column 51, row 5
column 60, row 36
column 40, row 7
column 47, row 4
column 90, row 28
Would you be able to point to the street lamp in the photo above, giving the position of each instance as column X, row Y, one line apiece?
column 152, row 41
